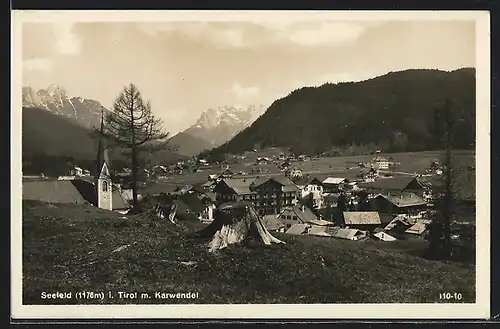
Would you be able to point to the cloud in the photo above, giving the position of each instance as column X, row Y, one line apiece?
column 38, row 64
column 67, row 41
column 244, row 92
column 213, row 32
column 310, row 33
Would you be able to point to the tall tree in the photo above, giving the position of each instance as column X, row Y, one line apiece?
column 132, row 126
column 443, row 210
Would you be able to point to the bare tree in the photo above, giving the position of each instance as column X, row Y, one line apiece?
column 132, row 126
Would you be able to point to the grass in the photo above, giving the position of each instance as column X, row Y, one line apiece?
column 409, row 162
column 73, row 248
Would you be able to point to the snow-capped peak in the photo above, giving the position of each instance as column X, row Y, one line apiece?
column 55, row 99
column 220, row 124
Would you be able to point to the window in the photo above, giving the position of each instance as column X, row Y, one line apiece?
column 288, row 225
column 105, row 186
column 295, row 218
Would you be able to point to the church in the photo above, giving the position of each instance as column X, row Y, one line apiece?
column 98, row 190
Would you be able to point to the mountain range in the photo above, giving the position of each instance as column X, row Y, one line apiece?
column 219, row 125
column 85, row 112
column 394, row 112
column 58, row 125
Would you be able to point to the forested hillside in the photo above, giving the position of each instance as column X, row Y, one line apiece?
column 394, row 112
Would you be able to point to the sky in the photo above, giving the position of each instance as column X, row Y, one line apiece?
column 184, row 68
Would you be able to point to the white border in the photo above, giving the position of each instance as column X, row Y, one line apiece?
column 478, row 310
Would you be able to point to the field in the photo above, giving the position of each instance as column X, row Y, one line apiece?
column 408, row 163
column 76, row 248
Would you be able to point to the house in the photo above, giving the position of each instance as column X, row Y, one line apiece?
column 273, row 194
column 365, row 220
column 234, row 189
column 311, row 187
column 293, row 173
column 268, row 194
column 296, row 215
column 202, row 208
column 368, row 175
column 284, row 165
column 334, row 184
column 396, row 184
column 395, row 204
column 263, row 160
column 381, row 163
column 273, row 223
column 79, row 172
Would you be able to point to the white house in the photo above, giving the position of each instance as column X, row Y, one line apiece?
column 293, row 173
column 311, row 186
column 381, row 162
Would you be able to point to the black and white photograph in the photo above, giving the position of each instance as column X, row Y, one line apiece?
column 243, row 164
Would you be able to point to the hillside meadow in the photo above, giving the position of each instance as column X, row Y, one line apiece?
column 77, row 248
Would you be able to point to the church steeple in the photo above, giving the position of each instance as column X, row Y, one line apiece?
column 103, row 183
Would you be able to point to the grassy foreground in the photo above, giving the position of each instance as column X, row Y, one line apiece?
column 73, row 249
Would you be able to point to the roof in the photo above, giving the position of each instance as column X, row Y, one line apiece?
column 320, row 222
column 397, row 183
column 404, row 200
column 384, row 236
column 192, row 202
column 334, row 180
column 307, row 181
column 417, row 228
column 288, row 184
column 158, row 188
column 399, row 220
column 344, row 233
column 240, row 186
column 297, row 229
column 361, row 218
column 306, row 215
column 318, row 230
column 271, row 222
column 118, row 201
column 53, row 191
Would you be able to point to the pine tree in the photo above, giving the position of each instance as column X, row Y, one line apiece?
column 443, row 209
column 132, row 126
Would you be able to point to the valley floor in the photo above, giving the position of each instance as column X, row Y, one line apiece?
column 74, row 248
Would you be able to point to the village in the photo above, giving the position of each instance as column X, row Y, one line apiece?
column 292, row 194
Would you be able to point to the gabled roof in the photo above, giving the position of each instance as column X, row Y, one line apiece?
column 361, row 218
column 271, row 222
column 297, row 229
column 382, row 236
column 240, row 186
column 118, row 202
column 305, row 215
column 334, row 180
column 318, row 230
column 344, row 233
column 417, row 228
column 398, row 183
column 307, row 181
column 404, row 200
column 192, row 202
column 53, row 191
